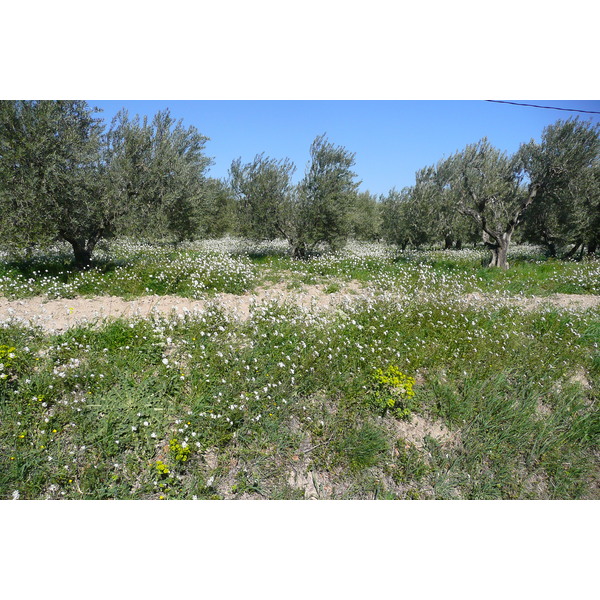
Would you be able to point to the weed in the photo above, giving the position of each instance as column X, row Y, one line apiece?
column 363, row 447
column 408, row 464
column 180, row 451
column 393, row 391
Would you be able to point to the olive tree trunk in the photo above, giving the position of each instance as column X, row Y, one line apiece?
column 500, row 251
column 83, row 248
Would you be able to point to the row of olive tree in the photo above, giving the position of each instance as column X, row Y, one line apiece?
column 551, row 188
column 64, row 175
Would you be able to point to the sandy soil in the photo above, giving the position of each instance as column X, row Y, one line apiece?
column 574, row 301
column 58, row 315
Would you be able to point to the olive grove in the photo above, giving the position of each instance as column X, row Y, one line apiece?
column 67, row 175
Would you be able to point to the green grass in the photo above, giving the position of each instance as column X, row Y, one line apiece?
column 133, row 272
column 232, row 388
column 210, row 407
column 130, row 270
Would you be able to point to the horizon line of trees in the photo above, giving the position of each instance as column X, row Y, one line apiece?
column 65, row 174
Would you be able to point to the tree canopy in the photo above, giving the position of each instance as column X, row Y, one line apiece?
column 65, row 174
column 316, row 210
column 51, row 175
column 551, row 186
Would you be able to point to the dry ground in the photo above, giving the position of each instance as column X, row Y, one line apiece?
column 58, row 315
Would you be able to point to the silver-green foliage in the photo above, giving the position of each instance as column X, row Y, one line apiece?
column 264, row 194
column 365, row 217
column 552, row 183
column 405, row 219
column 49, row 167
column 156, row 174
column 317, row 210
column 63, row 176
column 566, row 168
column 325, row 196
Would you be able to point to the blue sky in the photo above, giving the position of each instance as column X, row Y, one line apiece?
column 392, row 139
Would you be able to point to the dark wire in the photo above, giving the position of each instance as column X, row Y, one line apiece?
column 591, row 112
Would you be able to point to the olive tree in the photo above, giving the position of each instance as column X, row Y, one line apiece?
column 51, row 176
column 563, row 167
column 62, row 176
column 264, row 193
column 587, row 228
column 486, row 184
column 407, row 218
column 155, row 171
column 317, row 210
column 365, row 217
column 218, row 209
column 445, row 223
column 325, row 198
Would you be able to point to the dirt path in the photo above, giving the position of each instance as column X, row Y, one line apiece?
column 58, row 315
column 569, row 301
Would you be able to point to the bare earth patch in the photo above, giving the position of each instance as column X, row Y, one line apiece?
column 418, row 427
column 569, row 301
column 59, row 315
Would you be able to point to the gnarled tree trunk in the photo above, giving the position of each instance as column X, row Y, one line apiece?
column 82, row 248
column 499, row 247
column 300, row 251
column 573, row 250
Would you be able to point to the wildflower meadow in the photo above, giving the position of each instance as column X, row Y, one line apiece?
column 400, row 375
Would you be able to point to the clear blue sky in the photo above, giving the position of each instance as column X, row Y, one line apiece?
column 391, row 139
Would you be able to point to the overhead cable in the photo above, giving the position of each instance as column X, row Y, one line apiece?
column 591, row 112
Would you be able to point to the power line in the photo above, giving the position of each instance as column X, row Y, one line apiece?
column 591, row 112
